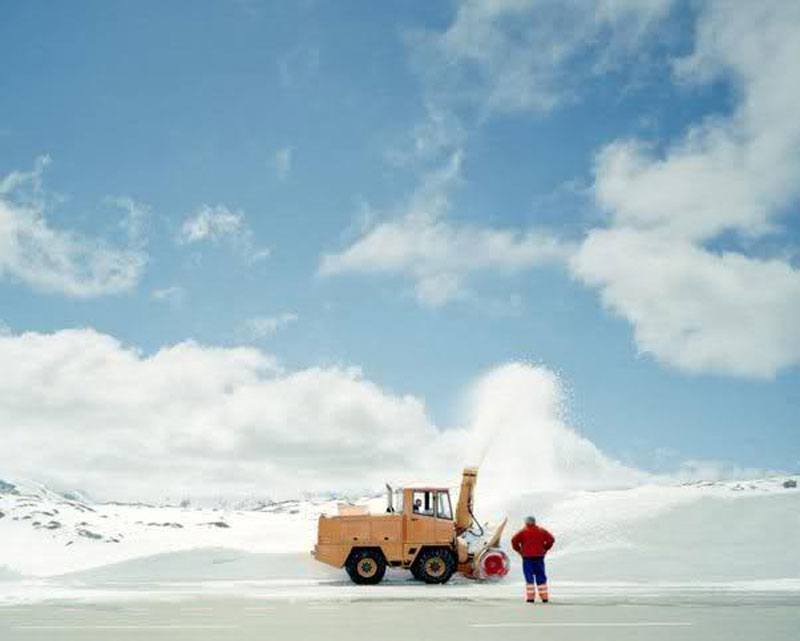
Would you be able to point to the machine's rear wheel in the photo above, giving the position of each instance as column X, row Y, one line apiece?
column 366, row 567
column 434, row 565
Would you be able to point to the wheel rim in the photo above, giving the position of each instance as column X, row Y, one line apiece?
column 435, row 567
column 367, row 568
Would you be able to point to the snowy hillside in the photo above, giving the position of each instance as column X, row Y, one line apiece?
column 705, row 532
column 699, row 532
column 46, row 534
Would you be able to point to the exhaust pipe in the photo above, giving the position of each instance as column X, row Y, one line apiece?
column 389, row 499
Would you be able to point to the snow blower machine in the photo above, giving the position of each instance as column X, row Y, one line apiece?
column 418, row 532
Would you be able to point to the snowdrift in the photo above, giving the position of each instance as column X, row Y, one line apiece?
column 699, row 533
column 695, row 533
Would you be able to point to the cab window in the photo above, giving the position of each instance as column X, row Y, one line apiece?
column 423, row 503
column 443, row 508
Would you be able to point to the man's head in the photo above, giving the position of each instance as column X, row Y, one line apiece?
column 530, row 521
column 418, row 502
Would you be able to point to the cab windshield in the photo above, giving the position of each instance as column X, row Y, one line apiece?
column 432, row 503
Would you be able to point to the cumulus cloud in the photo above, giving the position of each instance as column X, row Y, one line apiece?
column 693, row 308
column 727, row 173
column 82, row 410
column 729, row 176
column 219, row 223
column 61, row 261
column 506, row 56
column 437, row 253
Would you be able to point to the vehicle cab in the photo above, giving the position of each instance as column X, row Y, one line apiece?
column 427, row 517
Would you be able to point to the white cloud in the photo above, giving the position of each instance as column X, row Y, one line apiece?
column 173, row 295
column 83, row 411
column 135, row 221
column 727, row 173
column 60, row 261
column 218, row 223
column 729, row 177
column 211, row 223
column 530, row 55
column 693, row 309
column 501, row 56
column 438, row 254
column 283, row 162
column 690, row 307
column 440, row 134
column 260, row 327
column 18, row 180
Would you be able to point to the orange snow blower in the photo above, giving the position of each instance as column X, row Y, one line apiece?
column 418, row 532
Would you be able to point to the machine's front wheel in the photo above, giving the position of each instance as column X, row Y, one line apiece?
column 434, row 565
column 366, row 567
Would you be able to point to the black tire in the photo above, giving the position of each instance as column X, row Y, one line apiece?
column 366, row 567
column 434, row 565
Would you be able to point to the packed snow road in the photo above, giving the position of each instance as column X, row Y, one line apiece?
column 709, row 618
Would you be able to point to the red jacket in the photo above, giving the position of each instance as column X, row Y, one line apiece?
column 532, row 540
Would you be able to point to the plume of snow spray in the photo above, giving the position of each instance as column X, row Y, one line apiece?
column 519, row 438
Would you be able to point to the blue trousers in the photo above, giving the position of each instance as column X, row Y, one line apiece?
column 533, row 567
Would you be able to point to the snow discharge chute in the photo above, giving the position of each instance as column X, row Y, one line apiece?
column 485, row 560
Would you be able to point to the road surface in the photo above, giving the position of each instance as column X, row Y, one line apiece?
column 706, row 617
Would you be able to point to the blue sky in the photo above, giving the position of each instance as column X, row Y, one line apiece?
column 323, row 181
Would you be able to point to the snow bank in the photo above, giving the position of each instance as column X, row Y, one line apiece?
column 697, row 533
column 719, row 532
column 47, row 535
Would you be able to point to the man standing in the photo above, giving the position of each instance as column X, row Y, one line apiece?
column 532, row 543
